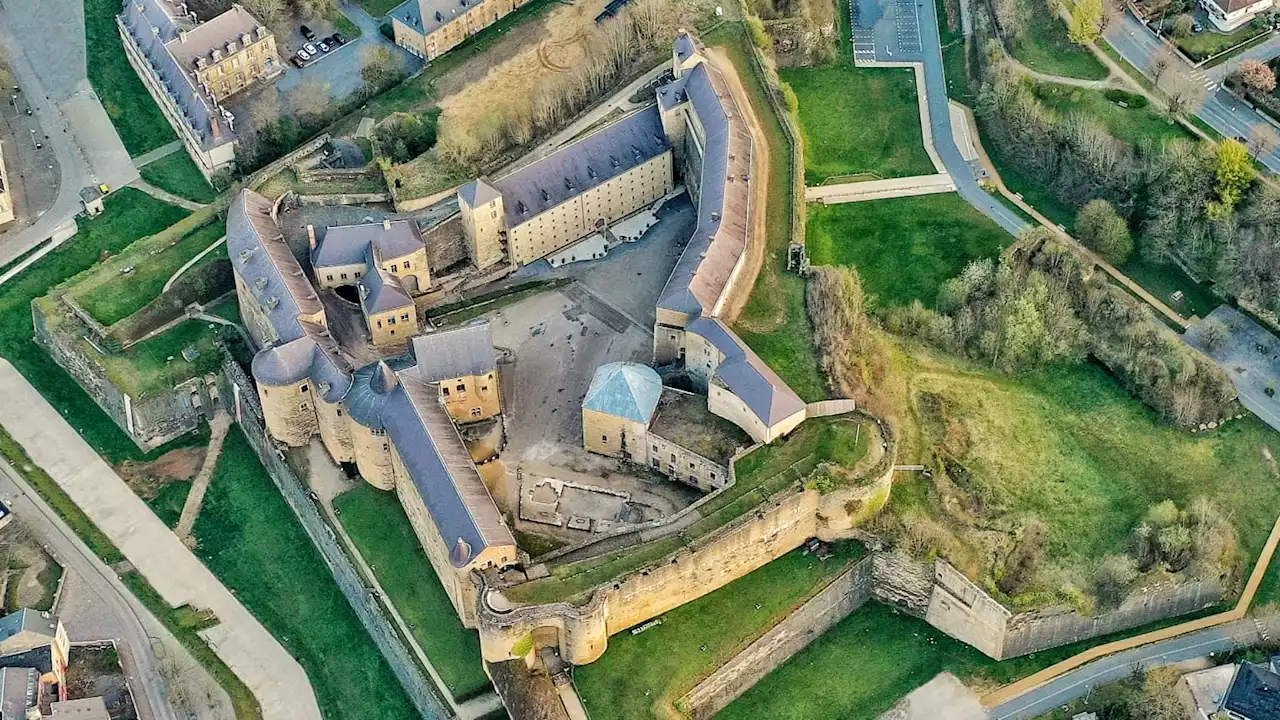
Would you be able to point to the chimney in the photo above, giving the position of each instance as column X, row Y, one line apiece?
column 182, row 36
column 386, row 224
column 311, row 236
column 215, row 128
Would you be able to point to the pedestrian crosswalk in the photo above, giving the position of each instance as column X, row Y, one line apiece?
column 1202, row 78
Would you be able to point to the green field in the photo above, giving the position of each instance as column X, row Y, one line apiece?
column 1201, row 45
column 378, row 526
column 774, row 323
column 178, row 174
column 168, row 502
column 639, row 673
column 859, row 121
column 378, row 8
column 157, row 364
column 1045, row 47
column 762, row 473
column 1164, row 280
column 112, row 296
column 1133, row 125
column 904, row 248
column 130, row 214
column 134, row 113
column 253, row 542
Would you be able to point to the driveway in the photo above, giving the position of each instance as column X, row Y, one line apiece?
column 907, row 31
column 270, row 672
column 1138, row 45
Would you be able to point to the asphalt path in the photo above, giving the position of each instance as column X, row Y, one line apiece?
column 1072, row 685
column 139, row 660
column 1137, row 44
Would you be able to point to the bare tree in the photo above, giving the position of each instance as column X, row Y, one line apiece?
column 1263, row 139
column 1184, row 93
column 268, row 11
column 1160, row 62
column 311, row 97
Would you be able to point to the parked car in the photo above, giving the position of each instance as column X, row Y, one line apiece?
column 1196, row 27
column 296, row 62
column 323, row 44
column 337, row 39
column 311, row 49
column 307, row 33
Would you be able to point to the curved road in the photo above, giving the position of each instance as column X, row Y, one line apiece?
column 139, row 658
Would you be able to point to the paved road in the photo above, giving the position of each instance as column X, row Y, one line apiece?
column 898, row 31
column 270, row 672
column 1138, row 45
column 139, row 658
column 1074, row 684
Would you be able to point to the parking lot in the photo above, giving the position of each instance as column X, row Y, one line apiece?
column 886, row 30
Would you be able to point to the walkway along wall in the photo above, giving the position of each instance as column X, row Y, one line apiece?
column 242, row 402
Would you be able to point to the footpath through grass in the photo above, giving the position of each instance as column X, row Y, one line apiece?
column 178, row 174
column 137, row 118
column 252, row 541
column 640, row 676
column 378, row 526
column 904, row 248
column 1045, row 47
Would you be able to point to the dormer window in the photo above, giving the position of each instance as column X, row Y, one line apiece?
column 201, row 63
column 216, row 54
column 231, row 47
column 245, row 39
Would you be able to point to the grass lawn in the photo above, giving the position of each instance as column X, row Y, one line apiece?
column 378, row 8
column 178, row 174
column 168, row 502
column 1073, row 449
column 904, row 248
column 638, row 674
column 954, row 62
column 132, row 110
column 130, row 214
column 1164, row 280
column 764, row 472
column 1044, row 46
column 774, row 323
column 157, row 363
column 1133, row 125
column 253, row 542
column 1201, row 45
column 378, row 526
column 111, row 296
column 859, row 120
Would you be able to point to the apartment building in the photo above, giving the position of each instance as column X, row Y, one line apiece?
column 431, row 28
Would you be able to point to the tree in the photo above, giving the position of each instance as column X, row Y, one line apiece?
column 1160, row 62
column 313, row 8
column 1214, row 334
column 1257, row 76
column 1159, row 699
column 311, row 97
column 759, row 36
column 377, row 68
column 1115, row 575
column 266, row 11
column 1086, row 22
column 1234, row 174
column 1263, row 139
column 1184, row 93
column 1183, row 25
column 1101, row 228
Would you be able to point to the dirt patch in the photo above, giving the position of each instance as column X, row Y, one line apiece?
column 146, row 479
column 94, row 671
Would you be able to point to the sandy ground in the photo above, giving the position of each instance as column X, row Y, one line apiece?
column 942, row 697
column 758, row 239
column 146, row 479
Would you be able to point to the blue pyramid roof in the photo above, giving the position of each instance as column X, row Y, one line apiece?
column 628, row 390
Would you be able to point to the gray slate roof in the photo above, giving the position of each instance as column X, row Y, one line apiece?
column 578, row 167
column 461, row 351
column 380, row 291
column 149, row 26
column 27, row 620
column 213, row 33
column 702, row 274
column 366, row 243
column 748, row 377
column 625, row 389
column 478, row 192
column 441, row 470
column 262, row 259
column 686, row 46
column 427, row 16
column 370, row 389
column 1254, row 693
column 19, row 689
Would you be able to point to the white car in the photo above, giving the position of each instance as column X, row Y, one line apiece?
column 304, row 55
column 311, row 49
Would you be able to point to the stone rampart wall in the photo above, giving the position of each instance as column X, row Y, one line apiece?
column 848, row 592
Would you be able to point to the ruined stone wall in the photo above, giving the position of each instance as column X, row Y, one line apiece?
column 848, row 592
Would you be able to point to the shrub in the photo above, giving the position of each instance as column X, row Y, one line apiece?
column 1101, row 228
column 759, row 36
column 1133, row 100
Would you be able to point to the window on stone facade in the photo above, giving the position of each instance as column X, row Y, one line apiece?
column 391, row 320
column 604, row 438
column 344, row 276
column 404, row 317
column 303, row 388
column 406, row 264
column 657, row 463
column 484, row 388
column 444, row 391
column 329, row 276
column 475, row 412
column 395, row 267
column 379, row 323
column 673, row 458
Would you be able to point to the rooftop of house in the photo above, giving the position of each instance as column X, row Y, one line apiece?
column 19, row 691
column 582, row 165
column 94, row 708
column 454, row 353
column 427, row 16
column 747, row 376
column 380, row 292
column 624, row 389
column 150, row 26
column 1254, row 693
column 1230, row 6
column 27, row 621
column 370, row 389
column 701, row 275
column 683, row 418
column 478, row 192
column 441, row 469
column 367, row 242
column 232, row 26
